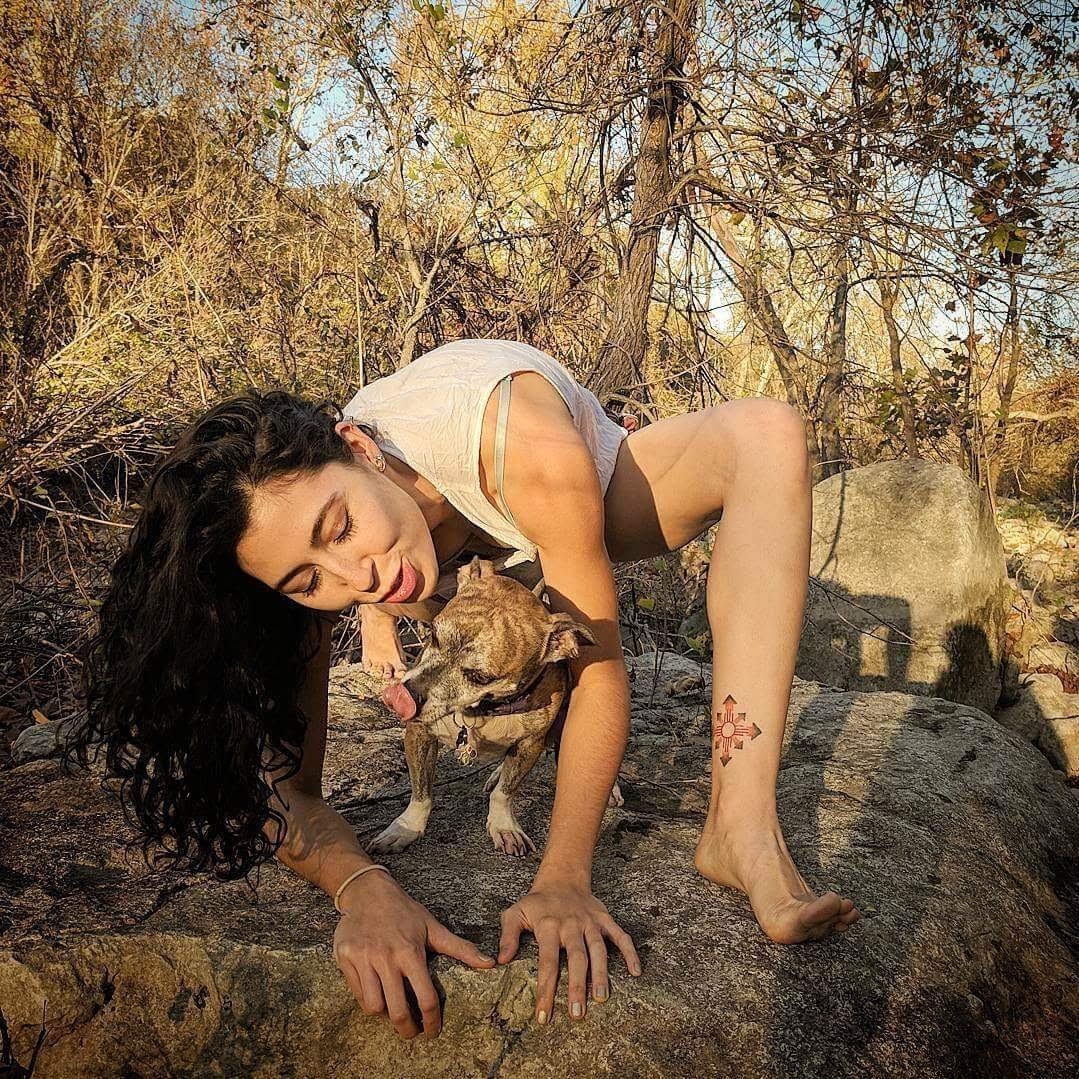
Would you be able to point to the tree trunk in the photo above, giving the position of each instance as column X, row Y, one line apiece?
column 888, row 297
column 762, row 310
column 1006, row 385
column 622, row 355
column 833, row 455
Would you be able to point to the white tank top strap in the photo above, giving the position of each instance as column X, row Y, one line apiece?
column 500, row 444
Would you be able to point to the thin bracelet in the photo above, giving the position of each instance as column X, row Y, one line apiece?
column 349, row 879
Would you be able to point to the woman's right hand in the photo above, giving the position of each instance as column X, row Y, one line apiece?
column 382, row 940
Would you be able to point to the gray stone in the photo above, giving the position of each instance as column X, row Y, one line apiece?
column 39, row 741
column 909, row 585
column 1047, row 692
column 1059, row 740
column 956, row 838
column 1024, row 717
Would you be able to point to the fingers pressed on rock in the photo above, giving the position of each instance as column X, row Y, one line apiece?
column 597, row 960
column 352, row 976
column 577, row 976
column 510, row 939
column 373, row 1002
column 624, row 943
column 444, row 942
column 419, row 978
column 547, row 983
column 396, row 1003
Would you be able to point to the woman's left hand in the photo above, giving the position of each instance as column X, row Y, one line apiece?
column 564, row 916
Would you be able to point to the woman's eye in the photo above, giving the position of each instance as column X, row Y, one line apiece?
column 479, row 677
column 312, row 588
column 347, row 529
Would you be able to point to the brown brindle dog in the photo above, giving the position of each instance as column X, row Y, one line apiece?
column 491, row 681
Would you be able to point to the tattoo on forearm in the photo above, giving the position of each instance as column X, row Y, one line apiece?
column 729, row 728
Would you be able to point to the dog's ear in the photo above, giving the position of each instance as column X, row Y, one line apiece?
column 475, row 570
column 564, row 638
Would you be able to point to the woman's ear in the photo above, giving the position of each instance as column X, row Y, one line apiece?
column 361, row 444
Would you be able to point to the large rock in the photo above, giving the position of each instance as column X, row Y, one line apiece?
column 908, row 584
column 954, row 835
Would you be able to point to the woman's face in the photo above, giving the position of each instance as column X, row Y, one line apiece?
column 338, row 537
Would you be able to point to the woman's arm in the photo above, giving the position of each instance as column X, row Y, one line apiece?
column 557, row 502
column 383, row 935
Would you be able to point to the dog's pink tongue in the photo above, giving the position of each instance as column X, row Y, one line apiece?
column 399, row 700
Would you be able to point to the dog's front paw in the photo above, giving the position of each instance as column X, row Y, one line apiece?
column 616, row 798
column 396, row 837
column 513, row 842
column 507, row 835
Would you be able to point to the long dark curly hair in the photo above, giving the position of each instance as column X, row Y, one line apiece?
column 191, row 681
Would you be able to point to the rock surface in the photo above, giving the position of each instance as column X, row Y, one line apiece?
column 954, row 835
column 38, row 741
column 909, row 585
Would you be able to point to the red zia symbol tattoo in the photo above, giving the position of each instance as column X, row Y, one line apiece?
column 729, row 730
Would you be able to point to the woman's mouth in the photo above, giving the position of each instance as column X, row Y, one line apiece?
column 405, row 584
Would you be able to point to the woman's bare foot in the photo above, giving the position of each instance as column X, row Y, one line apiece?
column 755, row 860
column 382, row 654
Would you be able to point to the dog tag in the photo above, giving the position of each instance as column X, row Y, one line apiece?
column 466, row 751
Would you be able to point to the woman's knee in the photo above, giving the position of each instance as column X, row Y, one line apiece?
column 769, row 434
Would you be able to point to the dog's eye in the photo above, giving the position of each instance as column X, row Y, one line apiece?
column 479, row 677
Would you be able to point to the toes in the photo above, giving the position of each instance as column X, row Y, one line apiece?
column 822, row 910
column 851, row 916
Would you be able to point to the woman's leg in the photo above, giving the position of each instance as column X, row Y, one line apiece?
column 746, row 462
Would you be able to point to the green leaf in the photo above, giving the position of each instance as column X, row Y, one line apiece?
column 646, row 603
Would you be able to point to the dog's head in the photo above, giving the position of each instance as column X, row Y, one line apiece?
column 489, row 646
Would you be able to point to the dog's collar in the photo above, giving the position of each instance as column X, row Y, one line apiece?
column 509, row 706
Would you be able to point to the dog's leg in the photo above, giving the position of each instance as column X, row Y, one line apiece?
column 492, row 779
column 421, row 752
column 506, row 834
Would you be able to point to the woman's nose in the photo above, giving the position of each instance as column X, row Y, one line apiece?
column 359, row 576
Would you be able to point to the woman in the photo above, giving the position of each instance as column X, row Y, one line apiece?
column 208, row 682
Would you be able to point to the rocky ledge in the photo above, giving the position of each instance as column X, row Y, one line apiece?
column 955, row 836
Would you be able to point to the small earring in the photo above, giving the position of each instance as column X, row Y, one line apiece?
column 380, row 463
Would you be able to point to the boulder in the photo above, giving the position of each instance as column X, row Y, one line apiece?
column 39, row 741
column 955, row 836
column 1058, row 739
column 1049, row 718
column 908, row 585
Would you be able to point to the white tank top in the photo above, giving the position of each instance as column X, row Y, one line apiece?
column 430, row 414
